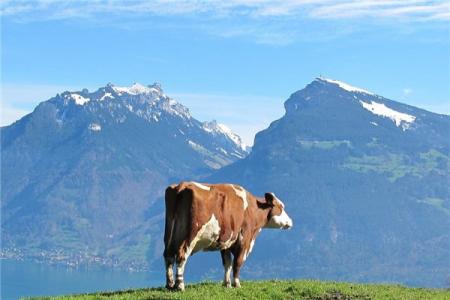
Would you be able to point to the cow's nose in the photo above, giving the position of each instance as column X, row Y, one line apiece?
column 288, row 226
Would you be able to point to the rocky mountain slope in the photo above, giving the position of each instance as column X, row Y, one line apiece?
column 81, row 171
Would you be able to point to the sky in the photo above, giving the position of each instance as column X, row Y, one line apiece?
column 233, row 61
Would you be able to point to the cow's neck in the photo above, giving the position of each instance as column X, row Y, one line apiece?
column 262, row 213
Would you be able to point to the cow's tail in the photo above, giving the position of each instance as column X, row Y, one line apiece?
column 170, row 199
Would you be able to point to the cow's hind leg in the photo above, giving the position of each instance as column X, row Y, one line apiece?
column 169, row 260
column 237, row 264
column 181, row 263
column 226, row 262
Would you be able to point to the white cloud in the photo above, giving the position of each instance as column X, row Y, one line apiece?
column 271, row 22
column 407, row 92
column 241, row 8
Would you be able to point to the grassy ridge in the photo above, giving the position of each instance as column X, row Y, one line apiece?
column 276, row 289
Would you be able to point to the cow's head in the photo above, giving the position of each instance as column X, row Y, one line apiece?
column 277, row 217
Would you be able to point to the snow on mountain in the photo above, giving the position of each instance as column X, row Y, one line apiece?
column 105, row 96
column 95, row 127
column 115, row 104
column 79, row 100
column 344, row 85
column 400, row 119
column 136, row 89
column 221, row 129
column 381, row 107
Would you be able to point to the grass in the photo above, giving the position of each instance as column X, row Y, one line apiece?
column 275, row 289
column 397, row 165
column 325, row 145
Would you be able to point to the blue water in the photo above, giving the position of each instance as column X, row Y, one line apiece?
column 26, row 278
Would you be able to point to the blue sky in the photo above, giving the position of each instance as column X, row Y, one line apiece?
column 234, row 61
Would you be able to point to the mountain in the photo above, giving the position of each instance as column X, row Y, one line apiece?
column 81, row 172
column 366, row 181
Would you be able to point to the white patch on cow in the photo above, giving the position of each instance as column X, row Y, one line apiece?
column 241, row 193
column 180, row 269
column 241, row 237
column 169, row 273
column 227, row 276
column 279, row 221
column 207, row 235
column 201, row 186
column 252, row 243
column 236, row 282
column 228, row 243
column 249, row 250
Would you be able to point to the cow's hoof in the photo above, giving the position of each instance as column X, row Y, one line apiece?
column 226, row 284
column 180, row 287
column 170, row 286
column 236, row 283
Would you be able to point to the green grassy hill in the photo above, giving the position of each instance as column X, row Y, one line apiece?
column 276, row 289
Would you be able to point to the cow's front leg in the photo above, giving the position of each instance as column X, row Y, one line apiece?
column 237, row 264
column 169, row 261
column 226, row 262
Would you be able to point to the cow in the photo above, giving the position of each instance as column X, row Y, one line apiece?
column 215, row 217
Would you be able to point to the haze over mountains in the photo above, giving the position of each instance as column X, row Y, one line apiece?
column 365, row 179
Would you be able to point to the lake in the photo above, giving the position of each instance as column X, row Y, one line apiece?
column 27, row 278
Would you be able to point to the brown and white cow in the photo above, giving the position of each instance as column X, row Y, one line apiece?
column 211, row 217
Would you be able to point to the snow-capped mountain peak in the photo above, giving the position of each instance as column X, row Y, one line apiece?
column 344, row 85
column 137, row 98
column 112, row 105
column 221, row 129
column 137, row 89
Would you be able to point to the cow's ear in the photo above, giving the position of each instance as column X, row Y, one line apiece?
column 269, row 198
